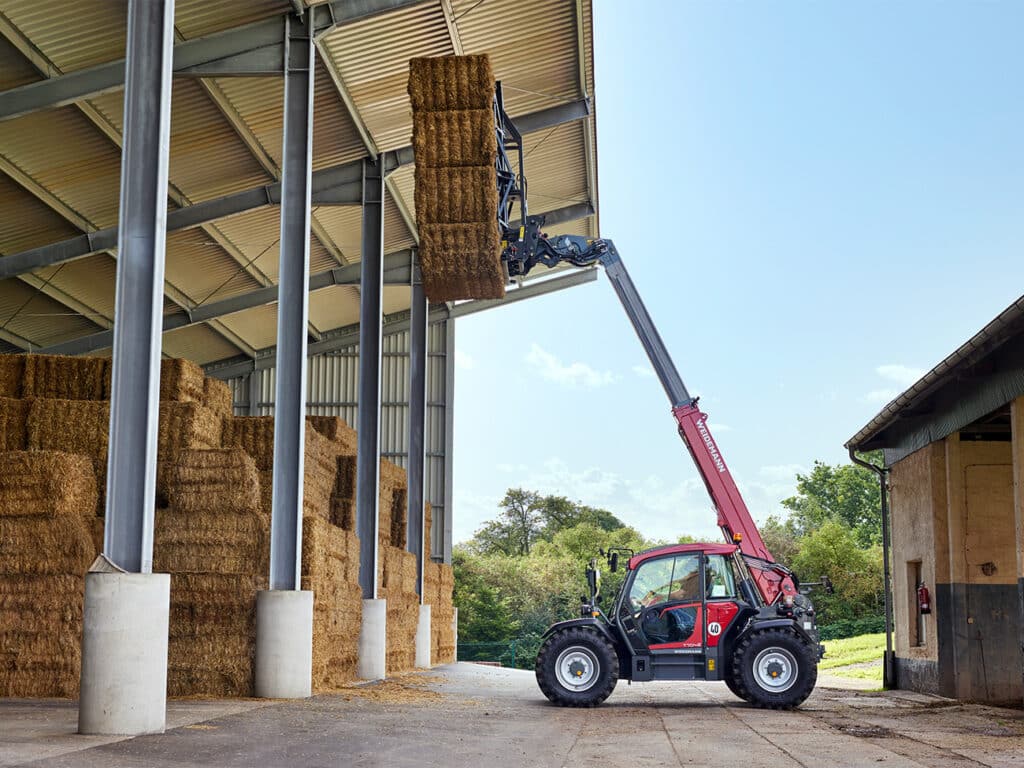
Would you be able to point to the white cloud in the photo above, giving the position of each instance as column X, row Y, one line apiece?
column 716, row 427
column 644, row 371
column 574, row 374
column 464, row 361
column 904, row 375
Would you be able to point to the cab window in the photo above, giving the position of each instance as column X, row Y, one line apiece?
column 668, row 579
column 720, row 577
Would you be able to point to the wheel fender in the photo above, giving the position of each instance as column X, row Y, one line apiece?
column 599, row 626
column 756, row 626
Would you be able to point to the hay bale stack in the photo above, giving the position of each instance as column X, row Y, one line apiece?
column 337, row 431
column 12, row 371
column 213, row 539
column 438, row 585
column 330, row 567
column 343, row 500
column 182, row 381
column 186, row 426
column 14, row 423
column 212, row 639
column 45, row 550
column 254, row 435
column 397, row 573
column 218, row 398
column 66, row 378
column 456, row 192
column 393, row 514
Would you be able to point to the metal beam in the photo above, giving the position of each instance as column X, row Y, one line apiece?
column 371, row 317
column 247, row 50
column 397, row 271
column 135, row 383
column 293, row 311
column 417, row 465
column 449, row 441
column 337, row 185
column 340, row 338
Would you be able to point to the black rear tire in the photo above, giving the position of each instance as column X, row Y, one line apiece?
column 774, row 669
column 577, row 667
column 730, row 683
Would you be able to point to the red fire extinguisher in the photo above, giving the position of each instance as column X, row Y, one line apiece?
column 924, row 600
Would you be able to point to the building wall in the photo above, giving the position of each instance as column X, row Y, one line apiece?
column 333, row 389
column 954, row 522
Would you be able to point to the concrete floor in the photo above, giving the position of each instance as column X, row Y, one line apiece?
column 467, row 715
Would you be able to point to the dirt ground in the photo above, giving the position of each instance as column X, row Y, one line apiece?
column 469, row 715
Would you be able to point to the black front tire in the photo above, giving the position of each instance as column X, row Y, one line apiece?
column 730, row 683
column 597, row 666
column 774, row 669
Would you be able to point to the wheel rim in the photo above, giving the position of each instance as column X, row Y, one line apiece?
column 577, row 668
column 775, row 669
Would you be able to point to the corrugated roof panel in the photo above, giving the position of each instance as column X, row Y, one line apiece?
column 256, row 326
column 555, row 180
column 38, row 318
column 335, row 137
column 344, row 224
column 208, row 159
column 90, row 280
column 334, row 307
column 15, row 69
column 198, row 18
column 27, row 222
column 259, row 102
column 372, row 57
column 65, row 153
column 73, row 34
column 536, row 75
column 199, row 268
column 198, row 343
column 255, row 234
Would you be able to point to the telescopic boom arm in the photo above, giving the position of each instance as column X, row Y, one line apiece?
column 532, row 247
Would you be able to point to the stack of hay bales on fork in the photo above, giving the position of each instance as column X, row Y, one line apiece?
column 45, row 549
column 456, row 195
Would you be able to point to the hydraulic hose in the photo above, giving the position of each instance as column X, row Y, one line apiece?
column 888, row 665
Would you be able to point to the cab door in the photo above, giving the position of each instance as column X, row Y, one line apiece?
column 664, row 609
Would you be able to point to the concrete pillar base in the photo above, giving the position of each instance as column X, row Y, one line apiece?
column 124, row 654
column 284, row 644
column 373, row 641
column 423, row 638
column 455, row 632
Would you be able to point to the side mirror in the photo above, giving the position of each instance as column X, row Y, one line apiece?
column 613, row 562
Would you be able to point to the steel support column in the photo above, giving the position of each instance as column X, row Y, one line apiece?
column 292, row 311
column 417, row 425
column 371, row 319
column 139, row 301
column 449, row 439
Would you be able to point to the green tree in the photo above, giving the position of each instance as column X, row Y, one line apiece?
column 844, row 492
column 483, row 615
column 856, row 572
column 782, row 539
column 516, row 528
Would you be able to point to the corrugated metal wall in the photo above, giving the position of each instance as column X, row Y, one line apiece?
column 333, row 386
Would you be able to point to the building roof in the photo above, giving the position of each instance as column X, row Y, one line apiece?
column 981, row 376
column 60, row 165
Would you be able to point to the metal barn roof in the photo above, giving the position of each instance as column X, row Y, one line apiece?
column 60, row 159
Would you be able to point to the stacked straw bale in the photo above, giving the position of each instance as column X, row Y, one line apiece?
column 397, row 574
column 12, row 371
column 14, row 423
column 66, row 378
column 438, row 584
column 456, row 195
column 45, row 550
column 213, row 539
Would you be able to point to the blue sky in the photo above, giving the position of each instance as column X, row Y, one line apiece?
column 818, row 201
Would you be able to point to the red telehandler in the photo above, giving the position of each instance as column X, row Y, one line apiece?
column 684, row 612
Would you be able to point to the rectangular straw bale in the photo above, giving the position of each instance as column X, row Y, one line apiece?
column 186, row 679
column 218, row 542
column 222, row 480
column 321, row 470
column 337, row 431
column 39, row 545
column 46, row 483
column 343, row 513
column 182, row 381
column 185, row 426
column 217, row 397
column 461, row 261
column 453, row 139
column 451, row 82
column 73, row 426
column 254, row 435
column 12, row 370
column 456, row 195
column 14, row 423
column 66, row 378
column 345, row 478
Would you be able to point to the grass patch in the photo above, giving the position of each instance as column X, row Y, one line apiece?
column 853, row 650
